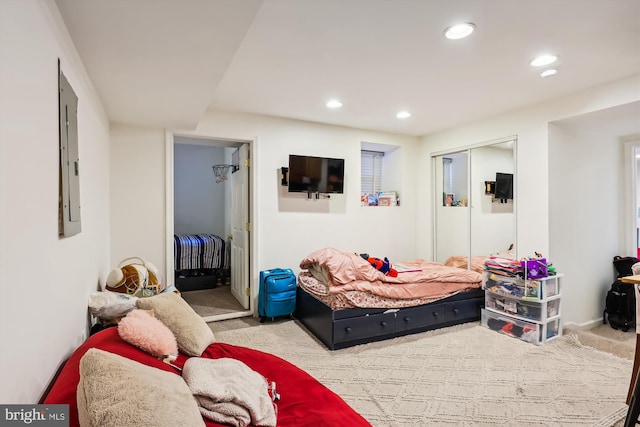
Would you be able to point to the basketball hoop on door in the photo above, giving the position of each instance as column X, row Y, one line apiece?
column 221, row 172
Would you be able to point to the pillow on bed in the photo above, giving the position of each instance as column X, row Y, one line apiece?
column 147, row 333
column 192, row 333
column 320, row 273
column 115, row 391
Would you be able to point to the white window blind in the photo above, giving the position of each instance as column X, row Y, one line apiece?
column 447, row 175
column 371, row 171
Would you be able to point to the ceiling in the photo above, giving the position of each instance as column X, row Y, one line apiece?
column 164, row 63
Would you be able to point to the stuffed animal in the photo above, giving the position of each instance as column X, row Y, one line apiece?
column 382, row 265
column 134, row 276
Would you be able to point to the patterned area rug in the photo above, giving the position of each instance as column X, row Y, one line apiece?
column 465, row 375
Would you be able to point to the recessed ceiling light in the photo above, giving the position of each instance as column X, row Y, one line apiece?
column 403, row 115
column 549, row 72
column 543, row 60
column 459, row 31
column 334, row 103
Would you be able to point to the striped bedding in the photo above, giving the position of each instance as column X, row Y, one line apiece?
column 197, row 251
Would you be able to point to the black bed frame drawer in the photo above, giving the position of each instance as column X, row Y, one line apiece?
column 461, row 310
column 361, row 327
column 418, row 317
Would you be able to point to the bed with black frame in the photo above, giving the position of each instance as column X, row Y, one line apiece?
column 342, row 313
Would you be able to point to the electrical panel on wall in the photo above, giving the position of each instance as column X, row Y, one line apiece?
column 69, row 176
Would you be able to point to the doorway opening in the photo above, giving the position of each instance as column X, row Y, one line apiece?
column 210, row 236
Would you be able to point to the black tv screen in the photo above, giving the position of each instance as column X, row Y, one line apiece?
column 309, row 174
column 504, row 186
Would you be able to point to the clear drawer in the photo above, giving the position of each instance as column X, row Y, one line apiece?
column 536, row 333
column 521, row 308
column 517, row 287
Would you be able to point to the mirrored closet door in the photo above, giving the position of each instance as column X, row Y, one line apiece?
column 451, row 231
column 474, row 203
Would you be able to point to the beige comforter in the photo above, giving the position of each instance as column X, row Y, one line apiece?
column 345, row 271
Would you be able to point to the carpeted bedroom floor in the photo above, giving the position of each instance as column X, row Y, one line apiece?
column 212, row 302
column 463, row 375
column 605, row 338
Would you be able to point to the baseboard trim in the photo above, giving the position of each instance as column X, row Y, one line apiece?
column 583, row 326
column 227, row 316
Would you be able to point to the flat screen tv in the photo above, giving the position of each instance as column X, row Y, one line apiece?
column 309, row 174
column 504, row 186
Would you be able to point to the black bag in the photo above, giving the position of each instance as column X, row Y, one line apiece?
column 623, row 265
column 620, row 306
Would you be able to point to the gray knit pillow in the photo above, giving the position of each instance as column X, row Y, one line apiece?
column 192, row 332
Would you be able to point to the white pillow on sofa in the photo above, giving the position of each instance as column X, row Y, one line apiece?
column 191, row 331
column 118, row 392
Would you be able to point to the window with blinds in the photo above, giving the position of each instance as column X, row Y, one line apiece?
column 447, row 175
column 371, row 171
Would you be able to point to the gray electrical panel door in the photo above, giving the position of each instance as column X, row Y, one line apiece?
column 69, row 160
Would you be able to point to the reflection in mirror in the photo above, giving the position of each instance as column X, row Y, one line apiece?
column 454, row 179
column 451, row 212
column 481, row 224
column 492, row 215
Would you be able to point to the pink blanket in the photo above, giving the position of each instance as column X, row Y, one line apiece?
column 346, row 271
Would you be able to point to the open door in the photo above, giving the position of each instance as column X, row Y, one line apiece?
column 240, row 229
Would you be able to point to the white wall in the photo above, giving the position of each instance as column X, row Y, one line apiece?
column 533, row 209
column 199, row 201
column 137, row 195
column 45, row 280
column 587, row 190
column 287, row 227
column 393, row 161
column 284, row 237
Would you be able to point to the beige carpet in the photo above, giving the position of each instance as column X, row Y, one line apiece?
column 212, row 302
column 461, row 376
column 605, row 338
